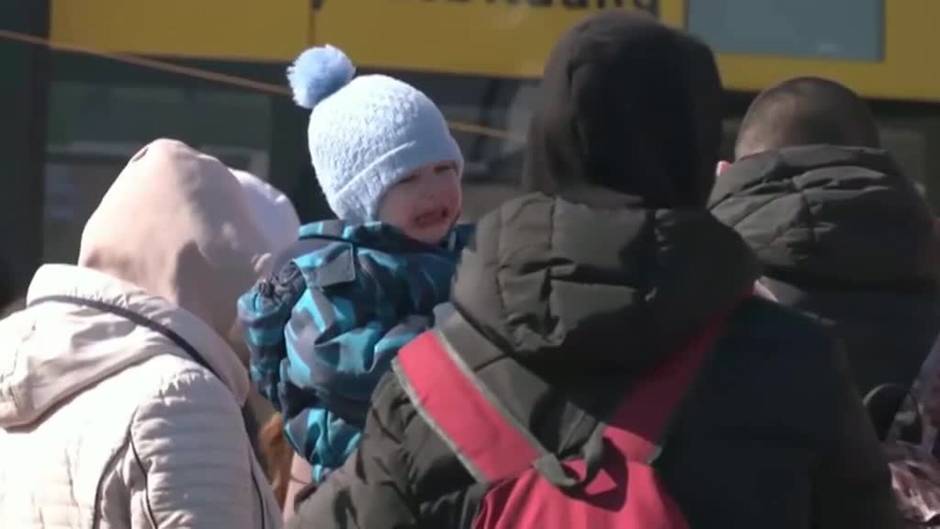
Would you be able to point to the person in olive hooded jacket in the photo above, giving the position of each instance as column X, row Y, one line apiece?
column 572, row 293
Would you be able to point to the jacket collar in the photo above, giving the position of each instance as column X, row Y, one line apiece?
column 384, row 237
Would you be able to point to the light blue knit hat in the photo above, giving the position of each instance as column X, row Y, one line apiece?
column 366, row 133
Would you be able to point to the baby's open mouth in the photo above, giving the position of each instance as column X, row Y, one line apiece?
column 431, row 218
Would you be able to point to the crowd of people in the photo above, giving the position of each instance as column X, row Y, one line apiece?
column 650, row 336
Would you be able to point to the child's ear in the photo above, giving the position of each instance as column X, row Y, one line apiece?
column 722, row 166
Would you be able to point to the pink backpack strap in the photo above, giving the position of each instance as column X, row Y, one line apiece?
column 456, row 404
column 641, row 421
column 490, row 442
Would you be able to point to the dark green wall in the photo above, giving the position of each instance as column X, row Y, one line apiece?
column 23, row 88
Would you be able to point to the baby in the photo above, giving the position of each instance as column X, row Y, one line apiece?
column 324, row 328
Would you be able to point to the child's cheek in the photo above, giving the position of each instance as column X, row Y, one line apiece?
column 395, row 208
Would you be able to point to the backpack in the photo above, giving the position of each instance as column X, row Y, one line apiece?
column 911, row 444
column 613, row 484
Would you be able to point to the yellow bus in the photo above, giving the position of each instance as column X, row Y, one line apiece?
column 479, row 59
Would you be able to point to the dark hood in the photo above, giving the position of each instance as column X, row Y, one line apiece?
column 831, row 216
column 561, row 285
column 628, row 104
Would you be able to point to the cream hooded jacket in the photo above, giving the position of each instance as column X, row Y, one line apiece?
column 119, row 398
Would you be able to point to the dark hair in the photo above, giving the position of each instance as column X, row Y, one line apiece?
column 806, row 111
column 16, row 305
column 629, row 105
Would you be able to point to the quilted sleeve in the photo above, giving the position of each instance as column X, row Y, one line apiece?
column 196, row 467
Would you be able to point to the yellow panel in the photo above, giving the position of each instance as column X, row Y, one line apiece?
column 484, row 37
column 497, row 38
column 909, row 70
column 229, row 29
column 503, row 38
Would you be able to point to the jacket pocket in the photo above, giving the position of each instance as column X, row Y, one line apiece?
column 337, row 266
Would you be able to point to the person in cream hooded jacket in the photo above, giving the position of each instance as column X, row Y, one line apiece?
column 120, row 395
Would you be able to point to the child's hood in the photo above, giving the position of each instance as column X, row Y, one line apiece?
column 177, row 224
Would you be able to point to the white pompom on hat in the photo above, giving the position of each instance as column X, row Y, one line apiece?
column 366, row 133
